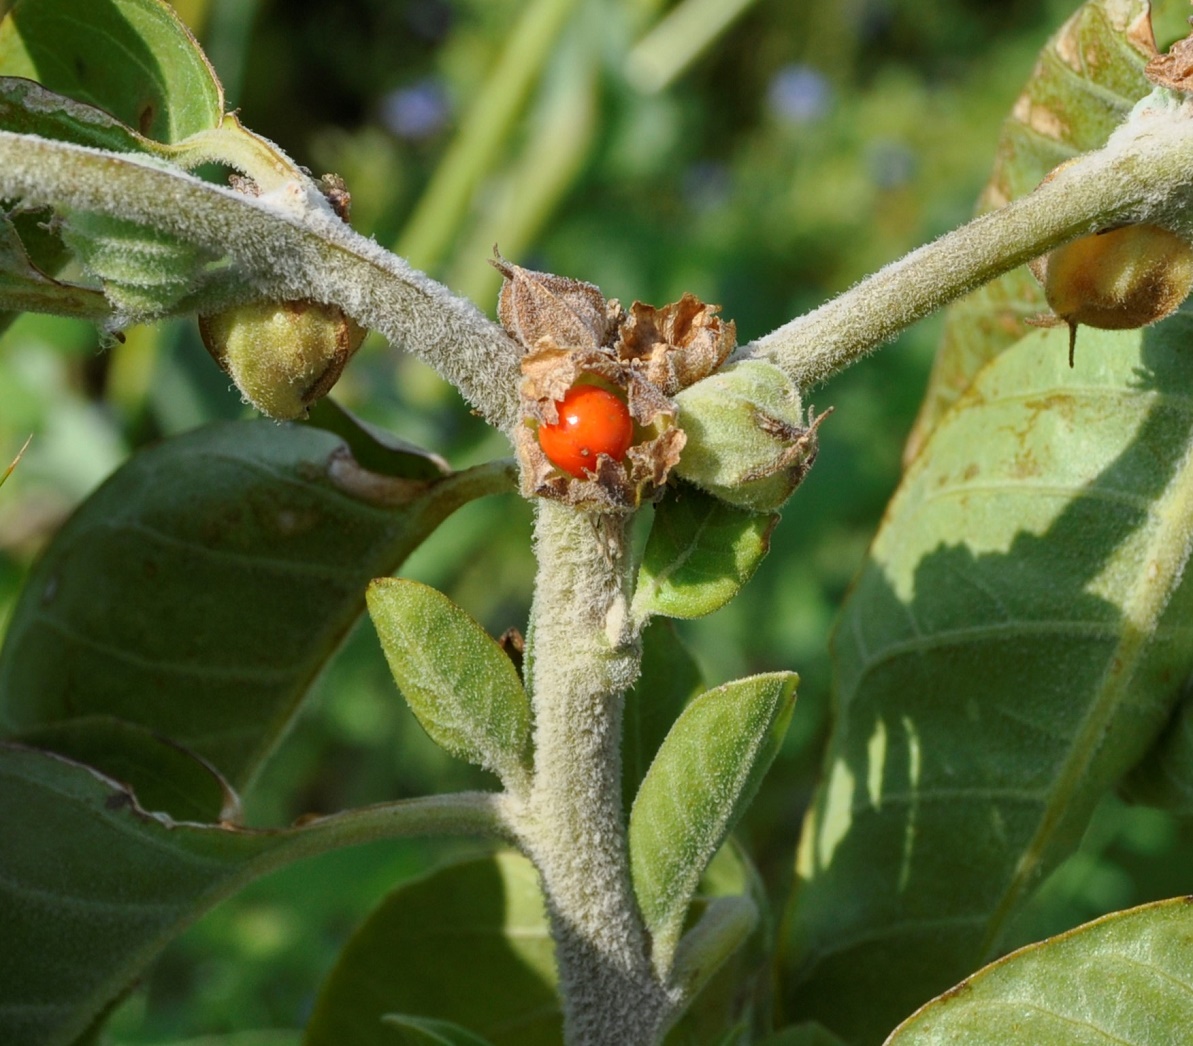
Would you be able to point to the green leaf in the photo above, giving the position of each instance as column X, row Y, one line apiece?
column 669, row 678
column 97, row 886
column 418, row 1031
column 468, row 943
column 702, row 779
column 700, row 553
column 135, row 59
column 460, row 684
column 374, row 448
column 1014, row 644
column 26, row 107
column 199, row 591
column 1164, row 777
column 1087, row 78
column 164, row 777
column 807, row 1034
column 1124, row 978
column 23, row 285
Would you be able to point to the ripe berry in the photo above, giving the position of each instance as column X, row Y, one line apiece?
column 592, row 421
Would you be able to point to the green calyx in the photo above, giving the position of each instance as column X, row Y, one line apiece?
column 748, row 440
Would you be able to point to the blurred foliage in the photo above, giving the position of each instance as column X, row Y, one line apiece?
column 802, row 146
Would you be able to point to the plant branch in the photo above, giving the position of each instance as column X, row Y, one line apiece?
column 1143, row 174
column 582, row 654
column 284, row 245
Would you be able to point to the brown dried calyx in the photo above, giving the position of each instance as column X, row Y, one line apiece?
column 1174, row 69
column 572, row 334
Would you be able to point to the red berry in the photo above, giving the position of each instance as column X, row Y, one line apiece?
column 592, row 421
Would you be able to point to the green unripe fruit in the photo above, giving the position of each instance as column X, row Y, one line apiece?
column 748, row 441
column 283, row 356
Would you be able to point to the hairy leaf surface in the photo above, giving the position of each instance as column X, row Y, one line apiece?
column 1126, row 978
column 199, row 591
column 96, row 885
column 704, row 776
column 1012, row 647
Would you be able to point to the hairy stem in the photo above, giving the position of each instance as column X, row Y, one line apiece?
column 1144, row 173
column 582, row 655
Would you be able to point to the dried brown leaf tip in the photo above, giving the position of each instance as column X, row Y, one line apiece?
column 677, row 345
column 536, row 305
column 1174, row 69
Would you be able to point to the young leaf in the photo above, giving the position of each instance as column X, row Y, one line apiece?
column 26, row 107
column 1126, row 978
column 229, row 564
column 468, row 943
column 423, row 1031
column 460, row 684
column 1087, row 78
column 97, row 886
column 668, row 679
column 1014, row 645
column 700, row 552
column 134, row 59
column 26, row 288
column 701, row 781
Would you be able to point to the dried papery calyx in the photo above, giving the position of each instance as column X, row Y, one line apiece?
column 748, row 439
column 677, row 345
column 1117, row 279
column 283, row 356
column 533, row 306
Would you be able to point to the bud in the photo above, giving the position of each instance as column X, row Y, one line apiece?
column 283, row 356
column 144, row 272
column 747, row 439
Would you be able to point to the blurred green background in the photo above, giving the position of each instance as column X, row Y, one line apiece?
column 764, row 155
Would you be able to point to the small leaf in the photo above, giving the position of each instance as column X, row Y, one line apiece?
column 668, row 680
column 460, row 684
column 232, row 561
column 97, row 886
column 468, row 943
column 1124, row 978
column 27, row 107
column 134, row 59
column 704, row 776
column 24, row 287
column 423, row 1031
column 374, row 448
column 700, row 552
column 164, row 777
column 1164, row 777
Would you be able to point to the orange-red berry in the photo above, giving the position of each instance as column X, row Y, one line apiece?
column 592, row 421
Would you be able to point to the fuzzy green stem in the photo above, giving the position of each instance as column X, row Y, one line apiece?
column 1144, row 174
column 582, row 655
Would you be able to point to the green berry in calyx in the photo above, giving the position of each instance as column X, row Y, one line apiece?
column 748, row 441
column 283, row 356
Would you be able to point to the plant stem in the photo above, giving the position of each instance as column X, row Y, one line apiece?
column 582, row 654
column 1142, row 174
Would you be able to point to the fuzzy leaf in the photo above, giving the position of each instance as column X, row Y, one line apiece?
column 1015, row 643
column 702, row 779
column 25, row 287
column 132, row 58
column 668, row 679
column 469, row 943
column 700, row 553
column 230, row 562
column 1087, row 78
column 1164, row 777
column 460, row 684
column 1125, row 978
column 97, row 886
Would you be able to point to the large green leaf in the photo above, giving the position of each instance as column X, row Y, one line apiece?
column 92, row 886
column 468, row 943
column 199, row 591
column 702, row 779
column 1164, row 777
column 699, row 554
column 460, row 684
column 1014, row 644
column 1126, row 978
column 132, row 58
column 1086, row 79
